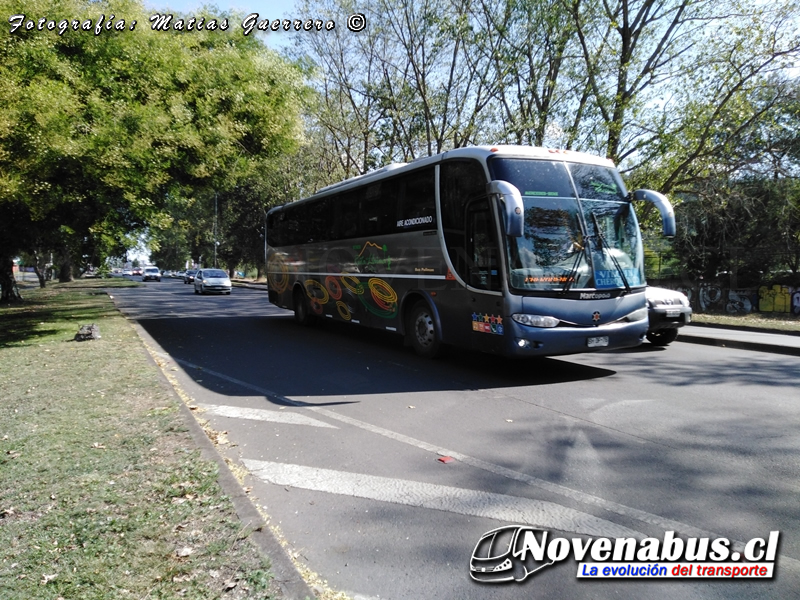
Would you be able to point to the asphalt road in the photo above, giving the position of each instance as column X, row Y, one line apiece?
column 342, row 431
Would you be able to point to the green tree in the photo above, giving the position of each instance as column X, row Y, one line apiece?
column 741, row 213
column 107, row 133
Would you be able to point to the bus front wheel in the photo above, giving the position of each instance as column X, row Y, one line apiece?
column 422, row 330
column 302, row 313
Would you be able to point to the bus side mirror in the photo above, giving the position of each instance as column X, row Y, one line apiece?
column 512, row 201
column 663, row 206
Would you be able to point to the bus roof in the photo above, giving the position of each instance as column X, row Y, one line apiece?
column 477, row 152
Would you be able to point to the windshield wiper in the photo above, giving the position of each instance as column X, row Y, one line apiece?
column 573, row 270
column 603, row 245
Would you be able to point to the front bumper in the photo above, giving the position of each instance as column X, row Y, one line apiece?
column 524, row 341
column 668, row 317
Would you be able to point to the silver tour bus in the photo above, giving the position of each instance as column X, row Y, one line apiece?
column 512, row 250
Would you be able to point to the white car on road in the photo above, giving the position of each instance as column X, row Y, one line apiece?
column 151, row 273
column 212, row 280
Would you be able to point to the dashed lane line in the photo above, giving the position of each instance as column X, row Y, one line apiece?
column 260, row 414
column 474, row 503
column 662, row 523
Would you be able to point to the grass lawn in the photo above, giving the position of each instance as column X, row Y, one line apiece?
column 102, row 492
column 785, row 323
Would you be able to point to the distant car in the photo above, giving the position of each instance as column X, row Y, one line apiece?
column 136, row 271
column 127, row 273
column 188, row 276
column 151, row 273
column 212, row 280
column 668, row 310
column 179, row 274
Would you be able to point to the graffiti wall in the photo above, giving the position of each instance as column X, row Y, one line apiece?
column 711, row 297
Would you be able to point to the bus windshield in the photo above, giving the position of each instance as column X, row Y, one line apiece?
column 579, row 229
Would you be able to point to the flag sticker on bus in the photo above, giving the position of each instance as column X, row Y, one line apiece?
column 485, row 323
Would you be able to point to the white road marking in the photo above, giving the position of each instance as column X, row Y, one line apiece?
column 608, row 505
column 260, row 414
column 474, row 503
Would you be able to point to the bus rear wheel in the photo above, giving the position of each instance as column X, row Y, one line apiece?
column 302, row 313
column 423, row 333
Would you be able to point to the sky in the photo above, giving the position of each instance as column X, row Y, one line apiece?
column 276, row 9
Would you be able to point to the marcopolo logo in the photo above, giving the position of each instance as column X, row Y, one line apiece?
column 513, row 553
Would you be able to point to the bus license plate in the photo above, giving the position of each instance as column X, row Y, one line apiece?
column 597, row 342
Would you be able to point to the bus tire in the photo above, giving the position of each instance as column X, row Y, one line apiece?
column 663, row 337
column 425, row 338
column 302, row 312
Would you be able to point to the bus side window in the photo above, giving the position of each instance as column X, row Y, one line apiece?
column 482, row 249
column 294, row 232
column 275, row 229
column 378, row 210
column 319, row 218
column 459, row 181
column 348, row 215
column 418, row 206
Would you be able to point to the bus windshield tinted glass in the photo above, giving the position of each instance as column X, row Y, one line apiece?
column 561, row 247
column 597, row 183
column 550, row 254
column 617, row 255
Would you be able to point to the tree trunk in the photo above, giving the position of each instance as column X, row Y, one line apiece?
column 65, row 268
column 40, row 267
column 40, row 276
column 65, row 272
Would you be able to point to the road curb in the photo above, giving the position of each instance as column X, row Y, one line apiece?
column 286, row 575
column 739, row 345
column 253, row 286
column 750, row 328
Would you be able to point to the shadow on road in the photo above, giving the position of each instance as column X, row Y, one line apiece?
column 275, row 353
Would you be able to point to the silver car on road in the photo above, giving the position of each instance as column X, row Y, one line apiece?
column 207, row 281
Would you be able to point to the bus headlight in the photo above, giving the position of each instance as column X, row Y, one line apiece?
column 637, row 315
column 535, row 320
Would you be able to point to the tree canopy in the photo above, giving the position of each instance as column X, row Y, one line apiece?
column 107, row 131
column 694, row 98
